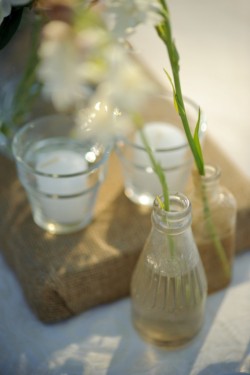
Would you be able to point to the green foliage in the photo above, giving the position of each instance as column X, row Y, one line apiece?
column 28, row 88
column 196, row 137
column 164, row 32
column 157, row 169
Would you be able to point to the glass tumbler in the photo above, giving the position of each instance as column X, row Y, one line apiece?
column 165, row 134
column 61, row 175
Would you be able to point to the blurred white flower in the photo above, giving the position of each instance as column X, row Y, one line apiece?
column 74, row 56
column 92, row 44
column 116, row 100
column 6, row 5
column 126, row 85
column 102, row 121
column 70, row 60
column 59, row 65
column 128, row 14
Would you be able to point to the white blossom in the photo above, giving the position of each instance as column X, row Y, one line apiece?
column 126, row 85
column 102, row 121
column 128, row 14
column 58, row 69
column 72, row 58
column 115, row 101
column 69, row 61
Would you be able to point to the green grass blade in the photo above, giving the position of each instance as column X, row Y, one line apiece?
column 196, row 137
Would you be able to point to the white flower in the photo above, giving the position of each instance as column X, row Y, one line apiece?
column 92, row 44
column 102, row 121
column 5, row 7
column 58, row 69
column 116, row 100
column 128, row 14
column 72, row 58
column 126, row 85
column 70, row 61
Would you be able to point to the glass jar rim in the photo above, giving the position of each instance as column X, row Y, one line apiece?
column 212, row 173
column 169, row 96
column 39, row 123
column 179, row 201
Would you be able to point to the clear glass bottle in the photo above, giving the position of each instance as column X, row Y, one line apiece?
column 214, row 225
column 169, row 288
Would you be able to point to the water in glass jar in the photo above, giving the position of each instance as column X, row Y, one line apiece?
column 168, row 310
column 64, row 182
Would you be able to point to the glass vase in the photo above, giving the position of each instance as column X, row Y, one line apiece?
column 166, row 137
column 168, row 287
column 61, row 175
column 214, row 226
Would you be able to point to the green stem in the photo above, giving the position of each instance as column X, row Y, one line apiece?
column 155, row 164
column 162, row 178
column 28, row 89
column 25, row 93
column 157, row 169
column 212, row 230
column 165, row 34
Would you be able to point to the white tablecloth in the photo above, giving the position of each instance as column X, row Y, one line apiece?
column 102, row 341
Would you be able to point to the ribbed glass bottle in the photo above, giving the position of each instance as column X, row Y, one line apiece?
column 214, row 226
column 169, row 287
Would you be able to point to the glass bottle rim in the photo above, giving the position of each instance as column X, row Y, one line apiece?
column 183, row 146
column 38, row 124
column 180, row 207
column 212, row 173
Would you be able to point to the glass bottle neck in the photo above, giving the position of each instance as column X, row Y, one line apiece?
column 177, row 219
column 209, row 183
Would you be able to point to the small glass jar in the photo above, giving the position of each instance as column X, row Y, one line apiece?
column 214, row 225
column 61, row 175
column 166, row 137
column 169, row 286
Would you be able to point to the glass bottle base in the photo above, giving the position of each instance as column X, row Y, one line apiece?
column 161, row 341
column 168, row 334
column 218, row 272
